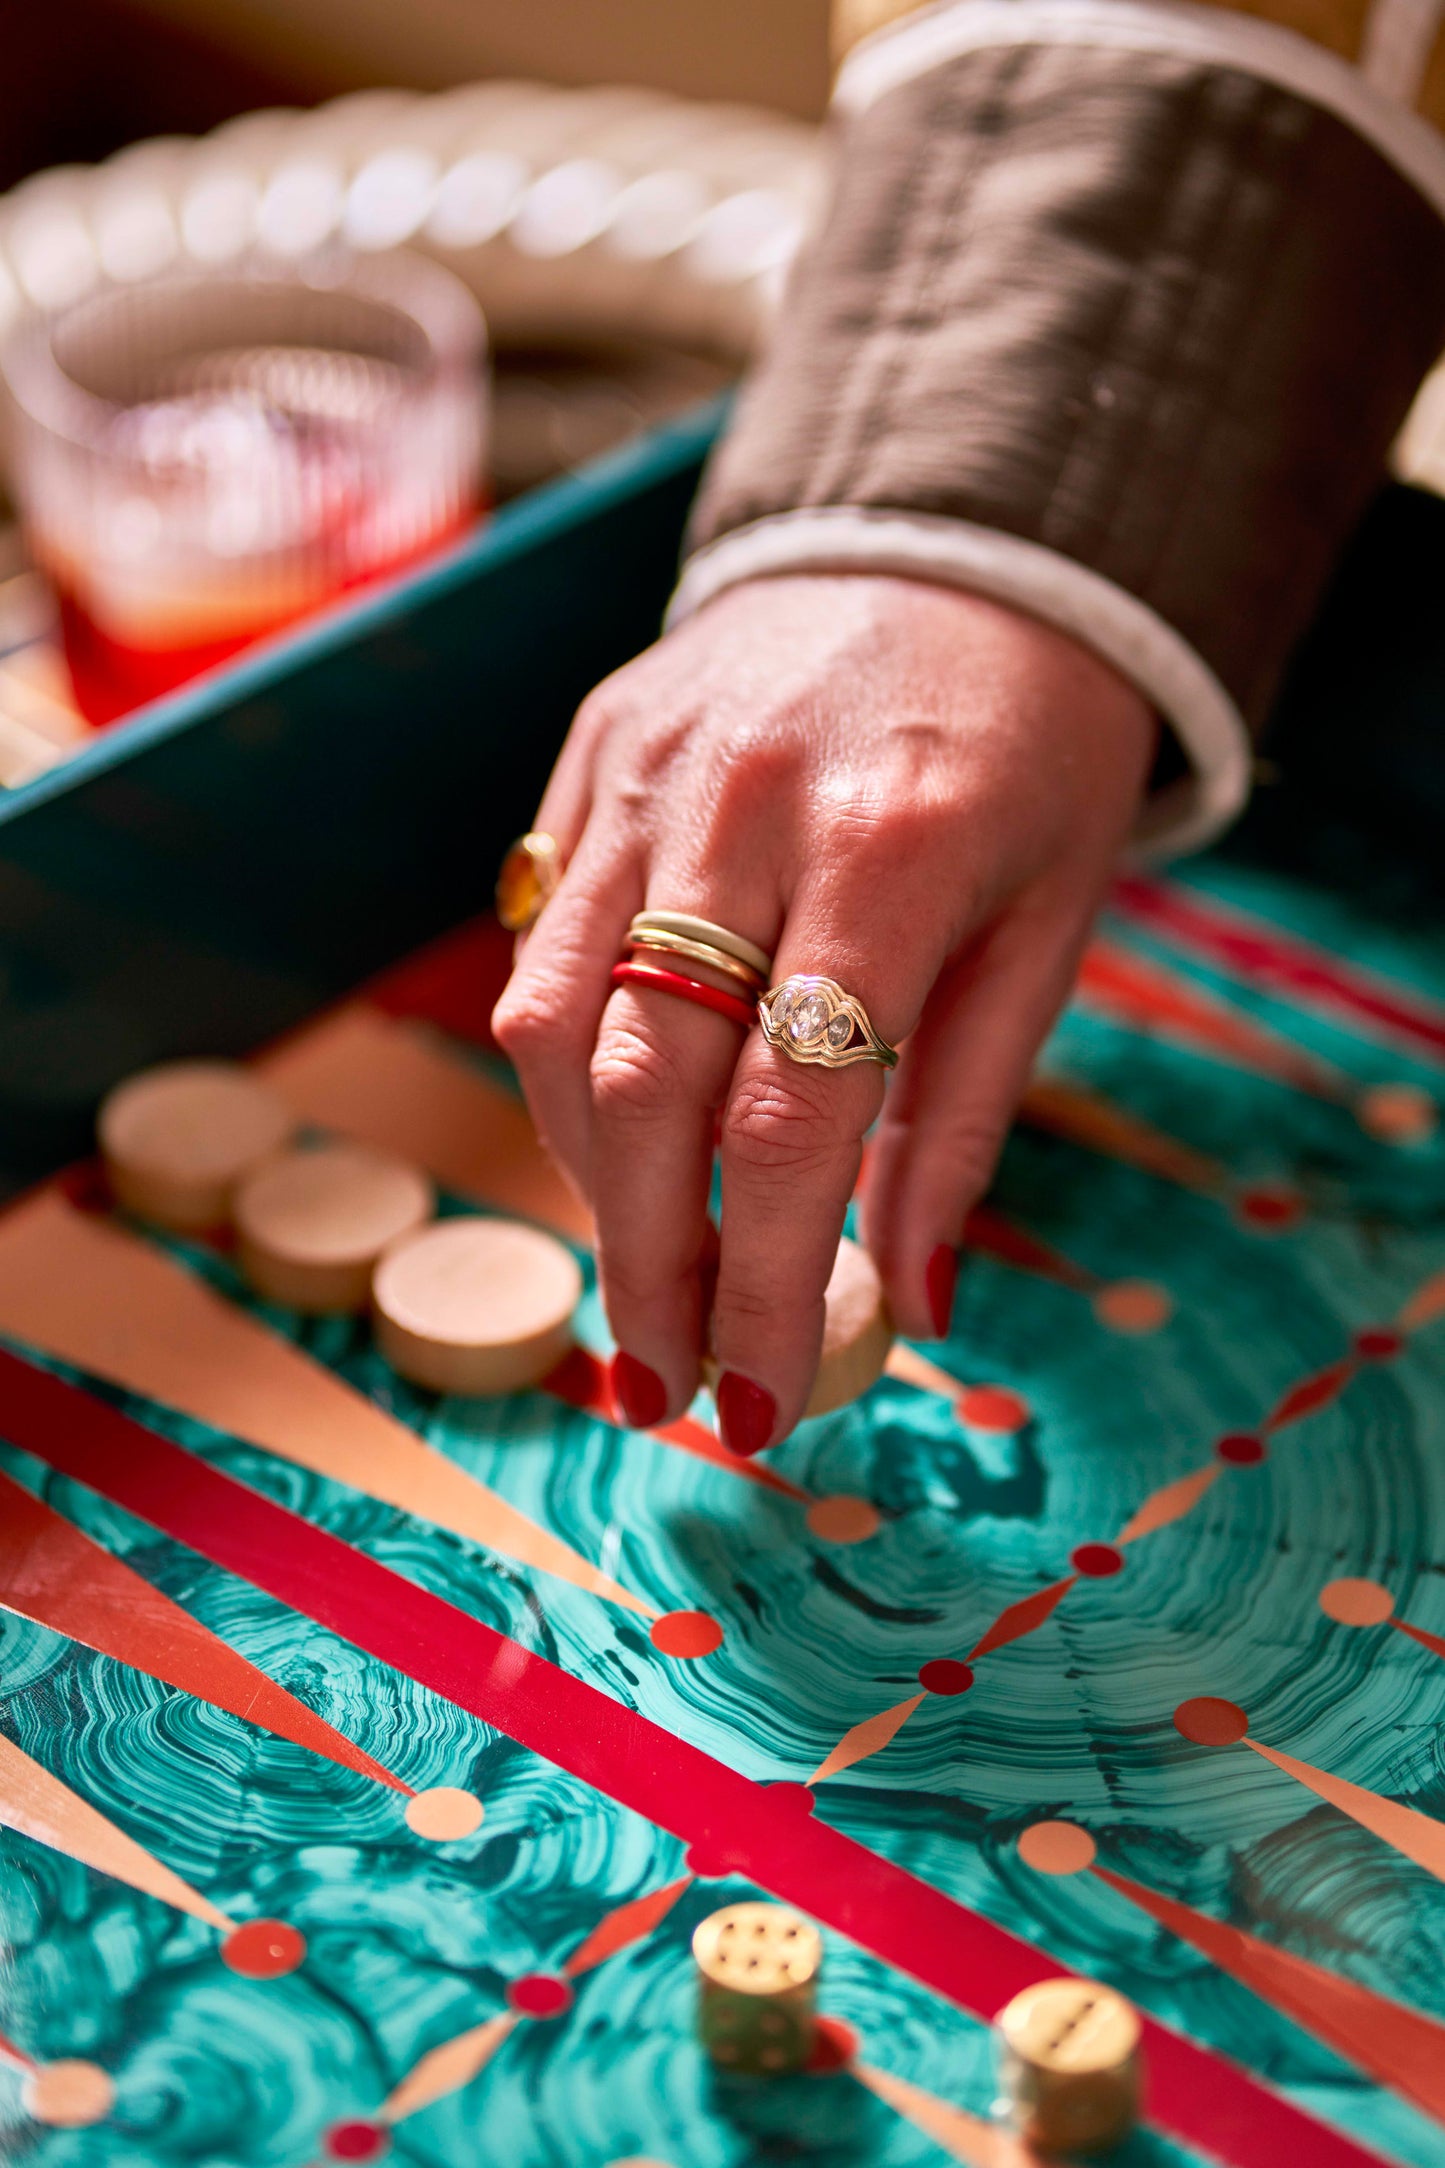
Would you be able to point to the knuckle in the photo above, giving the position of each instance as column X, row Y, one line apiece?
column 777, row 1127
column 635, row 1080
column 529, row 1023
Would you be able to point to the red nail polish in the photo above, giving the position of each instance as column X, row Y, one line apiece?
column 939, row 1278
column 746, row 1414
column 638, row 1391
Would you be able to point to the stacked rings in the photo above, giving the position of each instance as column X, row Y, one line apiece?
column 696, row 941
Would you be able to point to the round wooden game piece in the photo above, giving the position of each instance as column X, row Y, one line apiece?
column 475, row 1305
column 311, row 1224
column 758, row 1967
column 857, row 1332
column 178, row 1140
column 1069, row 2067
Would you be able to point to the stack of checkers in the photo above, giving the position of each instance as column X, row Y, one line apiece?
column 466, row 1305
column 461, row 1305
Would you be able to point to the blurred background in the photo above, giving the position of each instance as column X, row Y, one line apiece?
column 292, row 292
column 620, row 189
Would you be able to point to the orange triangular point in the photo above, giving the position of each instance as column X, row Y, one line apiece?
column 629, row 1923
column 1023, row 1617
column 1415, row 1835
column 869, row 1737
column 1395, row 2045
column 87, row 1291
column 51, row 1573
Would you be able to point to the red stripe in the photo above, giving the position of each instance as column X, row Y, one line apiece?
column 732, row 1824
column 1260, row 952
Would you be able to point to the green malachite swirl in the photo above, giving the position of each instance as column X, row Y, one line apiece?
column 410, row 1944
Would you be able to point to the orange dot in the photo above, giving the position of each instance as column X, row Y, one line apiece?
column 1397, row 1113
column 1356, row 1603
column 1211, row 1722
column 686, row 1633
column 992, row 1407
column 1133, row 1306
column 68, row 2095
column 263, row 1949
column 1057, row 1848
column 444, row 1813
column 843, row 1519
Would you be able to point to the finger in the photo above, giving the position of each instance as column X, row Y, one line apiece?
column 660, row 1073
column 550, row 1011
column 792, row 1143
column 954, row 1098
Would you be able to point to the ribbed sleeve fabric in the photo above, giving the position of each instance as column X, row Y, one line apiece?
column 1120, row 336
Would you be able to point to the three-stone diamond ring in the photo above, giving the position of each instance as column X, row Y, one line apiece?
column 811, row 1019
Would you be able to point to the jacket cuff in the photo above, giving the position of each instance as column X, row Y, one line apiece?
column 1118, row 333
column 1181, row 816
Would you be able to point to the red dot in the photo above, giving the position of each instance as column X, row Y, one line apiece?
column 263, row 1949
column 1210, row 1722
column 1240, row 1449
column 1096, row 1561
column 992, row 1407
column 357, row 2141
column 710, row 1865
column 945, row 1675
column 793, row 1798
column 834, row 2046
column 686, row 1633
column 1265, row 1207
column 1378, row 1345
column 540, row 1994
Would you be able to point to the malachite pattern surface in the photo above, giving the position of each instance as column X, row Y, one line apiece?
column 409, row 1944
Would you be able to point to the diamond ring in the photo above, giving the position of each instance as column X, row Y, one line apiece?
column 812, row 1019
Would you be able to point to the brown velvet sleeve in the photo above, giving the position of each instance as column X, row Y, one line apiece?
column 1156, row 315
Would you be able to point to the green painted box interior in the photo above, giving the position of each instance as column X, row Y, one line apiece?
column 207, row 874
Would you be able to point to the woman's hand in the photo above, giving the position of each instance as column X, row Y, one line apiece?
column 915, row 792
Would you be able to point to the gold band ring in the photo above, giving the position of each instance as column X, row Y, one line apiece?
column 703, row 929
column 530, row 876
column 811, row 1019
column 698, row 952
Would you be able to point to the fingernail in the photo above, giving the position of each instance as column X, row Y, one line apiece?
column 638, row 1391
column 746, row 1414
column 939, row 1278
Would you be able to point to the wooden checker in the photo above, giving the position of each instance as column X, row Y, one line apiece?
column 477, row 1306
column 1069, row 2065
column 311, row 1224
column 179, row 1139
column 857, row 1332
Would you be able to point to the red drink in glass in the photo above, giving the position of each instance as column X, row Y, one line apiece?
column 206, row 460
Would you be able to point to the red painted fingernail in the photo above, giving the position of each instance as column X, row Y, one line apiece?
column 638, row 1391
column 746, row 1414
column 939, row 1277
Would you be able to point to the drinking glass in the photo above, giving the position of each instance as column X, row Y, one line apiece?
column 205, row 457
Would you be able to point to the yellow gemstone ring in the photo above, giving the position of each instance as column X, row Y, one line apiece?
column 530, row 876
column 811, row 1019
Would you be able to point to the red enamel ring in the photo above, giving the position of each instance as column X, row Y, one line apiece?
column 674, row 982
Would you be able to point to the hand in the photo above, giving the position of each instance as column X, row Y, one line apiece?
column 915, row 792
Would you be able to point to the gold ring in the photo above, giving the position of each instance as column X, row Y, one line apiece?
column 697, row 952
column 703, row 929
column 811, row 1019
column 530, row 876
